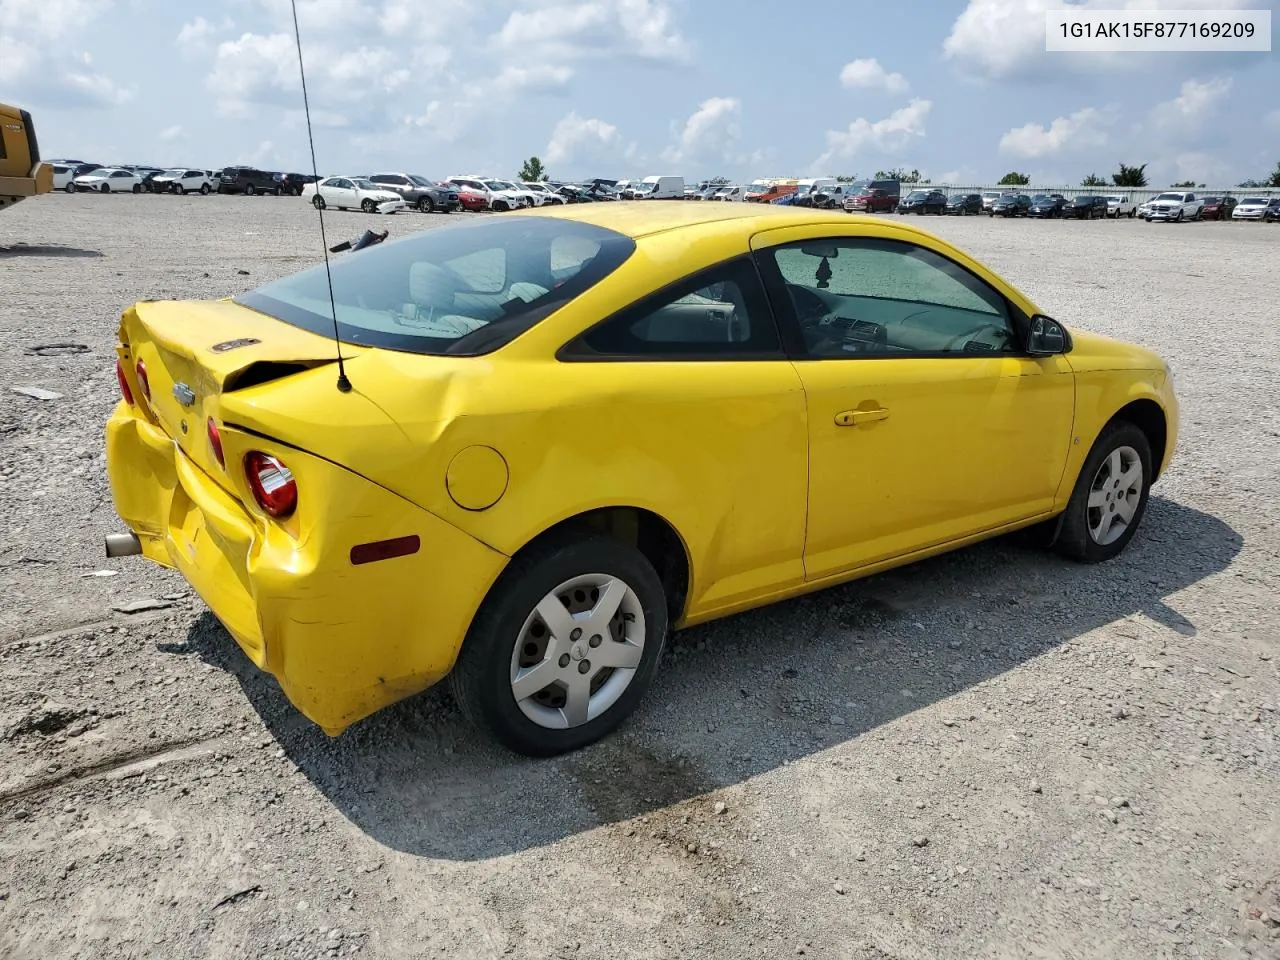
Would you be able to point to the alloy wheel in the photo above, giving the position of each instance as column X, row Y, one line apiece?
column 1114, row 495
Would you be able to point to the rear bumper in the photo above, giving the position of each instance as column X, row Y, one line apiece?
column 343, row 640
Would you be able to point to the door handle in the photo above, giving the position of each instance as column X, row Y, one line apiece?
column 852, row 418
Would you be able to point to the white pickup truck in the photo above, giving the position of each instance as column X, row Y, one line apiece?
column 1175, row 206
column 1120, row 205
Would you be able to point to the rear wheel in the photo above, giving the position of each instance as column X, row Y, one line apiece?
column 179, row 189
column 204, row 189
column 318, row 202
column 1178, row 218
column 70, row 187
column 565, row 645
column 250, row 189
column 1110, row 497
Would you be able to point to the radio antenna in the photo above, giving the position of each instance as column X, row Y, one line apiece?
column 344, row 385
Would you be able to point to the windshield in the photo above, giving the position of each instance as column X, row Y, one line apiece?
column 760, row 187
column 991, row 195
column 1115, row 199
column 1170, row 196
column 367, row 185
column 644, row 188
column 463, row 289
column 421, row 181
column 1253, row 201
column 180, row 172
column 495, row 185
column 917, row 194
column 1083, row 201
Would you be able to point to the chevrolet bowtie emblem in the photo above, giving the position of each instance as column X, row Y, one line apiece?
column 184, row 394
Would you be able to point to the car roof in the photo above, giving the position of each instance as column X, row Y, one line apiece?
column 639, row 218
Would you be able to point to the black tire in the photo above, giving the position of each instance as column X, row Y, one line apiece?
column 368, row 206
column 318, row 202
column 250, row 189
column 1074, row 539
column 204, row 189
column 70, row 187
column 1178, row 218
column 481, row 679
column 137, row 188
column 501, row 206
column 426, row 206
column 105, row 188
column 179, row 189
column 1131, row 213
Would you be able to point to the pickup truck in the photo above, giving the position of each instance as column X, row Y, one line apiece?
column 1120, row 205
column 1175, row 206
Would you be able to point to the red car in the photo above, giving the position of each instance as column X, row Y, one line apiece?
column 1217, row 208
column 472, row 200
column 874, row 196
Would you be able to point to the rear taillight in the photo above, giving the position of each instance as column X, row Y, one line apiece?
column 124, row 384
column 143, row 383
column 272, row 483
column 215, row 442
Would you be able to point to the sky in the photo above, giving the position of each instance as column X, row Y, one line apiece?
column 962, row 90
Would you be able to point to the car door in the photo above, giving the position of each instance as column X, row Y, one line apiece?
column 702, row 383
column 343, row 192
column 927, row 421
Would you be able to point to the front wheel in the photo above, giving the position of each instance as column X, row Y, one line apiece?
column 1178, row 218
column 250, row 190
column 368, row 206
column 425, row 205
column 179, row 189
column 70, row 188
column 106, row 188
column 1131, row 213
column 565, row 645
column 137, row 188
column 318, row 202
column 1110, row 497
column 204, row 189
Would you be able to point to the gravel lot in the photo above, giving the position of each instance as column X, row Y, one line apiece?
column 991, row 754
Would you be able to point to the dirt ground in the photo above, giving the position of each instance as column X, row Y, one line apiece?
column 992, row 754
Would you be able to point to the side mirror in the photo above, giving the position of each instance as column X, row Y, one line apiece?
column 1047, row 337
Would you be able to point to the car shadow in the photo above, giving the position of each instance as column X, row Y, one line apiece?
column 46, row 250
column 734, row 698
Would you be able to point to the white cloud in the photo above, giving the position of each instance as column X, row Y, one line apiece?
column 596, row 28
column 1201, row 167
column 174, row 132
column 195, row 34
column 34, row 49
column 47, row 19
column 1186, row 113
column 576, row 137
column 1083, row 130
column 1000, row 38
column 541, row 78
column 869, row 73
column 711, row 133
column 890, row 135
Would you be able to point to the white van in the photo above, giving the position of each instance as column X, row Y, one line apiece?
column 812, row 185
column 659, row 188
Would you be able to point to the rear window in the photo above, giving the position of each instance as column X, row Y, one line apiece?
column 464, row 289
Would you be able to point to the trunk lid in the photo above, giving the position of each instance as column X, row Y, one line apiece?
column 195, row 352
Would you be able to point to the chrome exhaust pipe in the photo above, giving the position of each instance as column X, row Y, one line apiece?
column 123, row 545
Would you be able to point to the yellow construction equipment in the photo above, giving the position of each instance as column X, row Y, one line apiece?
column 22, row 174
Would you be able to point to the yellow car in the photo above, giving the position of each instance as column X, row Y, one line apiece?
column 556, row 434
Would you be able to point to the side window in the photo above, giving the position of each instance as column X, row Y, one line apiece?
column 721, row 313
column 862, row 296
column 484, row 271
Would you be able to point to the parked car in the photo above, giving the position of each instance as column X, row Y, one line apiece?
column 526, row 197
column 1086, row 206
column 108, row 180
column 418, row 191
column 873, row 196
column 496, row 197
column 363, row 546
column 1047, row 205
column 249, row 181
column 766, row 191
column 1175, row 206
column 923, row 201
column 1218, row 208
column 989, row 197
column 732, row 193
column 1272, row 213
column 965, row 204
column 353, row 193
column 708, row 192
column 291, row 184
column 1011, row 205
column 470, row 198
column 831, row 196
column 63, row 175
column 1254, row 208
column 1120, row 205
column 183, row 180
